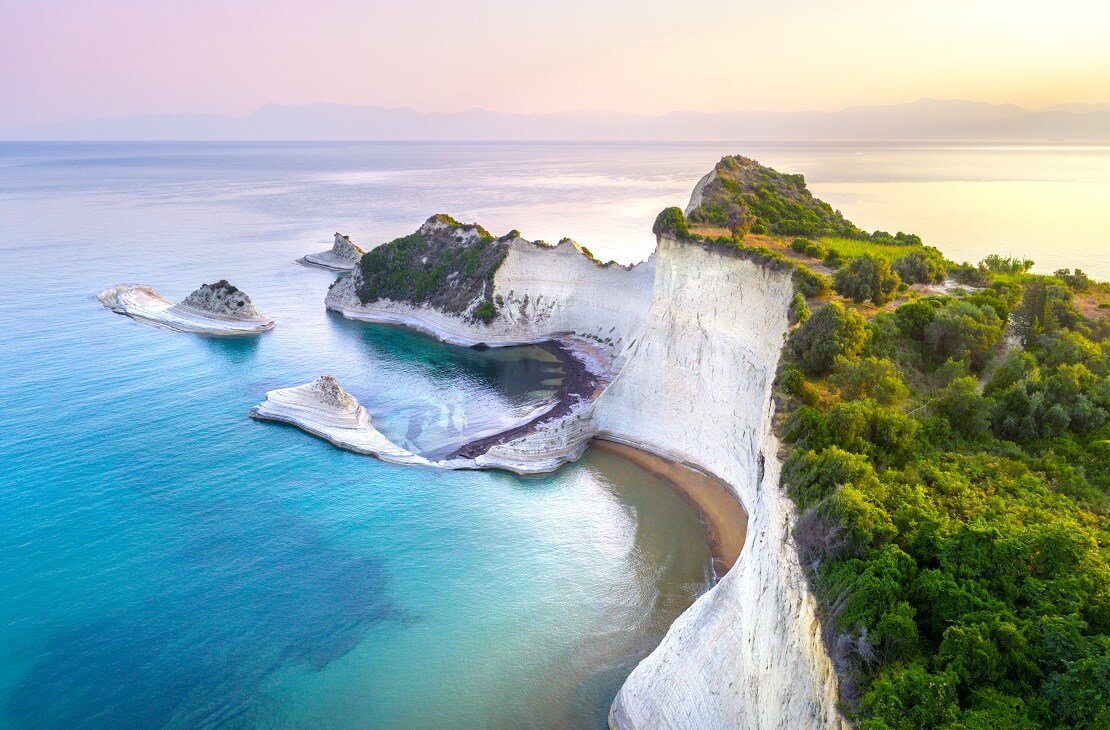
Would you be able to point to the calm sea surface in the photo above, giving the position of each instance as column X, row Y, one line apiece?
column 166, row 561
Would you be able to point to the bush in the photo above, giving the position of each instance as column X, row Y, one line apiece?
column 867, row 277
column 1006, row 265
column 833, row 259
column 964, row 331
column 914, row 317
column 970, row 275
column 810, row 283
column 671, row 221
column 832, row 331
column 1076, row 281
column 486, row 311
column 791, row 380
column 799, row 310
column 925, row 266
column 869, row 377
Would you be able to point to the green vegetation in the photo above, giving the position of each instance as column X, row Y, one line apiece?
column 925, row 265
column 851, row 248
column 672, row 221
column 833, row 332
column 867, row 277
column 776, row 202
column 446, row 264
column 953, row 494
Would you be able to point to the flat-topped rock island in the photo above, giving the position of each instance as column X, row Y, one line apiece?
column 215, row 310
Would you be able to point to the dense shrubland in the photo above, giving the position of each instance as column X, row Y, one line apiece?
column 952, row 480
column 448, row 266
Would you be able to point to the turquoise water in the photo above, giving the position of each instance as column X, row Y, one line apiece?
column 165, row 561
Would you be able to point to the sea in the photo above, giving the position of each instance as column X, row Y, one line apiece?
column 165, row 561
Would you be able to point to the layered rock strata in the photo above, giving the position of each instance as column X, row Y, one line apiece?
column 216, row 310
column 342, row 256
column 324, row 409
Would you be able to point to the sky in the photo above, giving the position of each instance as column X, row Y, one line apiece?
column 75, row 59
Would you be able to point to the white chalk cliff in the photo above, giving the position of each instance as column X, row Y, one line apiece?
column 692, row 340
column 342, row 256
column 216, row 310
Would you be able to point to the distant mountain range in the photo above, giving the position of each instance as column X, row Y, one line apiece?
column 924, row 120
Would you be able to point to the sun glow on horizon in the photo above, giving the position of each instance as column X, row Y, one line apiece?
column 65, row 60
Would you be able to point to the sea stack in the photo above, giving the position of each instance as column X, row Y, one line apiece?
column 216, row 310
column 343, row 255
column 322, row 408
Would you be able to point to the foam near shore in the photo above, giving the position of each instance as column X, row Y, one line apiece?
column 204, row 312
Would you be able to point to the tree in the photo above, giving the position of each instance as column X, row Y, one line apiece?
column 832, row 331
column 963, row 331
column 867, row 277
column 740, row 220
column 924, row 266
column 870, row 377
column 967, row 412
column 914, row 317
column 1077, row 281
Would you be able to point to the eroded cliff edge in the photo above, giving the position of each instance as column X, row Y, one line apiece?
column 694, row 336
column 748, row 653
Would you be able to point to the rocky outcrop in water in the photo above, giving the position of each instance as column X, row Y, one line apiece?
column 223, row 300
column 322, row 408
column 342, row 256
column 216, row 310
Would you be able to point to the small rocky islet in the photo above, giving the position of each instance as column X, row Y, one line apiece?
column 216, row 310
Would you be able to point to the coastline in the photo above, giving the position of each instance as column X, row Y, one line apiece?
column 579, row 385
column 724, row 518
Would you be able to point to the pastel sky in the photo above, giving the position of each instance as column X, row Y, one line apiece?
column 67, row 59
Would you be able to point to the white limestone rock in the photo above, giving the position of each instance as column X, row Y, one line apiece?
column 342, row 256
column 322, row 408
column 216, row 310
column 696, row 335
column 699, row 337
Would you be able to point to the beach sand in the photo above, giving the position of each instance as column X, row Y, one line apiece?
column 724, row 517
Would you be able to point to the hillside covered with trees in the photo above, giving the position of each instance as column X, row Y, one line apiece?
column 947, row 444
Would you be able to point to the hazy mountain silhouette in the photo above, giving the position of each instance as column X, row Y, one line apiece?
column 924, row 120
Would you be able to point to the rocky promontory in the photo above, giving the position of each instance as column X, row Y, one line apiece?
column 217, row 310
column 342, row 256
column 322, row 408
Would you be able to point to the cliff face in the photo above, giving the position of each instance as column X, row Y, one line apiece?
column 541, row 291
column 697, row 387
column 695, row 337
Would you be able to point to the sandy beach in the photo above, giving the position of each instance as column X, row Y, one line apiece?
column 724, row 517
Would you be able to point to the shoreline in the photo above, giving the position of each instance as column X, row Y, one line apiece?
column 725, row 520
column 579, row 385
